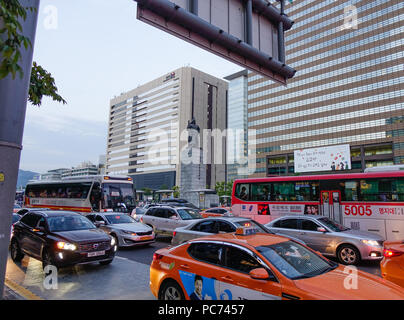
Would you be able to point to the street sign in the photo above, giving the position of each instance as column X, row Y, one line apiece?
column 247, row 32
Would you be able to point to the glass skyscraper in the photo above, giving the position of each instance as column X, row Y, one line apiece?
column 237, row 120
column 348, row 89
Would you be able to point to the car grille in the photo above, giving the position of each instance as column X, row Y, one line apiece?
column 95, row 246
column 144, row 233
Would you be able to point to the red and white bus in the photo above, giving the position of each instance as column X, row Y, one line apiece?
column 371, row 201
column 83, row 194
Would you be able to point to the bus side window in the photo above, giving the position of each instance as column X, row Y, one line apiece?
column 284, row 191
column 350, row 192
column 370, row 190
column 95, row 196
column 385, row 190
column 242, row 191
column 398, row 191
column 260, row 192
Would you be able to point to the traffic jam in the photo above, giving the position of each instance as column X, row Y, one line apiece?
column 282, row 238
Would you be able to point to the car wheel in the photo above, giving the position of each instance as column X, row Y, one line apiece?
column 171, row 291
column 15, row 251
column 348, row 255
column 105, row 263
column 46, row 259
column 116, row 239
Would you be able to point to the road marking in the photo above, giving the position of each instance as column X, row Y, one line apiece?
column 23, row 292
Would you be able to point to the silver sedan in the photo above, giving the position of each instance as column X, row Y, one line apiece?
column 126, row 231
column 215, row 225
column 330, row 238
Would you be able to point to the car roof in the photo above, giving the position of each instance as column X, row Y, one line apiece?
column 111, row 213
column 300, row 216
column 255, row 240
column 55, row 213
column 173, row 207
column 231, row 219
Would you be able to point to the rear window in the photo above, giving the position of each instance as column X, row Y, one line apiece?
column 287, row 224
column 206, row 252
column 188, row 214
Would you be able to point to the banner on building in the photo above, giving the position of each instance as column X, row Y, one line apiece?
column 333, row 158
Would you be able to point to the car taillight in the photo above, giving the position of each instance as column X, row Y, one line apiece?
column 174, row 233
column 141, row 219
column 391, row 253
column 157, row 256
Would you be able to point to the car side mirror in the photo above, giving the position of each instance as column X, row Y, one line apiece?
column 174, row 217
column 321, row 229
column 259, row 274
column 39, row 229
column 99, row 223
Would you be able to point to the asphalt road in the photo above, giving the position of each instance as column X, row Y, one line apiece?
column 144, row 255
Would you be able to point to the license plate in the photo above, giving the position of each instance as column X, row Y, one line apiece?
column 95, row 254
column 146, row 237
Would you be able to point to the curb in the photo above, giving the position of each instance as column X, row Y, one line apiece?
column 21, row 291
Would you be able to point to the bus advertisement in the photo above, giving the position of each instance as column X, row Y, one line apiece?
column 83, row 194
column 363, row 201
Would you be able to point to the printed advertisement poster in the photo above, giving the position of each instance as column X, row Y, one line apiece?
column 265, row 209
column 334, row 158
column 202, row 288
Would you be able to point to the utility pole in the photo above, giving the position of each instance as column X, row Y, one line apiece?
column 13, row 104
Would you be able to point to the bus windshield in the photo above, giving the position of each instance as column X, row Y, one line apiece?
column 119, row 195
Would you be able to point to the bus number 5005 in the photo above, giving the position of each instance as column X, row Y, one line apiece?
column 358, row 210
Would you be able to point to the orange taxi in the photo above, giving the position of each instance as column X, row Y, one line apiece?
column 392, row 265
column 217, row 212
column 258, row 266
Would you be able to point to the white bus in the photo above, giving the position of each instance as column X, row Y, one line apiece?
column 396, row 167
column 83, row 194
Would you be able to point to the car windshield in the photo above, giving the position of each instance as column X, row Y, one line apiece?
column 332, row 225
column 119, row 218
column 295, row 261
column 253, row 224
column 188, row 214
column 69, row 223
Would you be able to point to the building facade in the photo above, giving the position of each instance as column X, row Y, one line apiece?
column 237, row 150
column 148, row 127
column 85, row 168
column 348, row 89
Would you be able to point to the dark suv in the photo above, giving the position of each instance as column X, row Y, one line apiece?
column 60, row 238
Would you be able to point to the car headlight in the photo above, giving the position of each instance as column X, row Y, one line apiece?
column 66, row 246
column 128, row 232
column 371, row 243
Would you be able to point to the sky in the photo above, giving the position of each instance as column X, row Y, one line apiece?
column 95, row 50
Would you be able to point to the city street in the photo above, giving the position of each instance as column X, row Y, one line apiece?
column 127, row 278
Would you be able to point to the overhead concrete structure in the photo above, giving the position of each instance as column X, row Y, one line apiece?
column 247, row 32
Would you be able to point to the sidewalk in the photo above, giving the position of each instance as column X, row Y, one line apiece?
column 10, row 294
column 122, row 280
